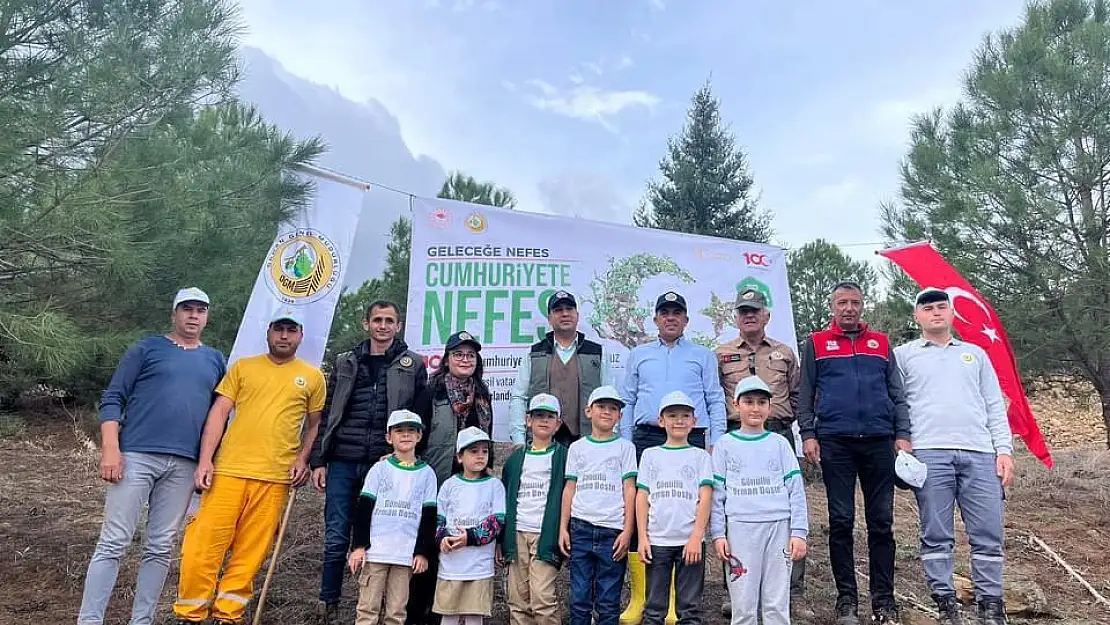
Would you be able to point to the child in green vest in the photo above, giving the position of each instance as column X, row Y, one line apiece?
column 534, row 480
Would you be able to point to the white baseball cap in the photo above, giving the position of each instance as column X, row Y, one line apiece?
column 544, row 401
column 287, row 314
column 675, row 398
column 190, row 294
column 397, row 418
column 910, row 470
column 751, row 384
column 469, row 436
column 605, row 392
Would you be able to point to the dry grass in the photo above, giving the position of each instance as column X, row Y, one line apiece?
column 51, row 500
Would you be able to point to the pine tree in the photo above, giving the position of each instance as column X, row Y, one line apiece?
column 706, row 188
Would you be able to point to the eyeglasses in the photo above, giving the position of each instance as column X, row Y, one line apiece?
column 464, row 356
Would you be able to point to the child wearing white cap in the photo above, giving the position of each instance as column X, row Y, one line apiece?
column 471, row 516
column 599, row 511
column 534, row 479
column 759, row 521
column 675, row 483
column 398, row 506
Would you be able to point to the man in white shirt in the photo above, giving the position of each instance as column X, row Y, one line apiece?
column 960, row 431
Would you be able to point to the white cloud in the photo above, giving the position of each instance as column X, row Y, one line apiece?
column 624, row 63
column 658, row 5
column 587, row 102
column 836, row 194
column 593, row 67
column 588, row 195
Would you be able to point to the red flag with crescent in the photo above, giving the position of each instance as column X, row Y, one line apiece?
column 977, row 323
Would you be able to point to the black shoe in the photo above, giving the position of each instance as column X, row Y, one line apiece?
column 949, row 610
column 847, row 612
column 886, row 615
column 327, row 613
column 991, row 612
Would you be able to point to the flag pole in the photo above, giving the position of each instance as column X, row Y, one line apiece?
column 334, row 176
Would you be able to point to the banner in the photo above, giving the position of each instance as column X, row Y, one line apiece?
column 976, row 322
column 304, row 270
column 490, row 271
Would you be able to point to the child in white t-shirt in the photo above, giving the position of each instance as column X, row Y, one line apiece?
column 471, row 515
column 675, row 495
column 759, row 516
column 599, row 512
column 398, row 504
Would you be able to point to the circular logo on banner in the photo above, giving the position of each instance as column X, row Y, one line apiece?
column 440, row 218
column 303, row 266
column 476, row 222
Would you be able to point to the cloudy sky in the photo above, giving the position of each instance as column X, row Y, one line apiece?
column 569, row 103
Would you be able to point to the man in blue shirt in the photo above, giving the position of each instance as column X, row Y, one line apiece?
column 151, row 418
column 669, row 363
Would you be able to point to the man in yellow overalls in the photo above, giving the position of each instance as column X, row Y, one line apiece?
column 247, row 485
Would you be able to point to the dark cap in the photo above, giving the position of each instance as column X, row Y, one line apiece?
column 461, row 337
column 751, row 298
column 931, row 295
column 670, row 298
column 561, row 297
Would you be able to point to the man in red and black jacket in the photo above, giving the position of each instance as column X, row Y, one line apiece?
column 853, row 416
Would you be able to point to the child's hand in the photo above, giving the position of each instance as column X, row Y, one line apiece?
column 457, row 541
column 620, row 546
column 798, row 548
column 445, row 545
column 419, row 565
column 564, row 542
column 691, row 553
column 644, row 550
column 723, row 552
column 354, row 561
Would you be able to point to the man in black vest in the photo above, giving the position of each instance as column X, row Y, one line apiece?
column 366, row 384
column 564, row 364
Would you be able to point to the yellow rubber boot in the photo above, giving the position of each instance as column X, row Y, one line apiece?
column 672, row 616
column 634, row 613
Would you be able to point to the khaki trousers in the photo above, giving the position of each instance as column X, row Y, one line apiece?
column 532, row 598
column 378, row 581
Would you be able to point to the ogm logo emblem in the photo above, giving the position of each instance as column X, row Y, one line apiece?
column 476, row 222
column 303, row 266
column 440, row 218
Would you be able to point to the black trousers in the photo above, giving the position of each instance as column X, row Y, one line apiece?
column 422, row 594
column 871, row 460
column 689, row 581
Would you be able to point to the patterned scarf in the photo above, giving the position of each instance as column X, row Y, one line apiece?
column 461, row 395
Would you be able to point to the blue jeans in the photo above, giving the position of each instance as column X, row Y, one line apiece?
column 595, row 579
column 969, row 479
column 164, row 483
column 343, row 485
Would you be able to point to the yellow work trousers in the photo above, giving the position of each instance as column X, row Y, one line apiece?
column 237, row 515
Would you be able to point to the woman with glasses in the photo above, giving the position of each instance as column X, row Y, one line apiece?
column 455, row 398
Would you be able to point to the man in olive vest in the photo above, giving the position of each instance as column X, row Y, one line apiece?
column 564, row 364
column 366, row 384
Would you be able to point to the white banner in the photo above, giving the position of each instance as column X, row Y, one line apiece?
column 490, row 271
column 304, row 271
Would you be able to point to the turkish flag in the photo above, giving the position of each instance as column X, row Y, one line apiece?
column 976, row 323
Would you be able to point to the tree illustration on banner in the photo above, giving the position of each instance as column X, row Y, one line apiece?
column 617, row 312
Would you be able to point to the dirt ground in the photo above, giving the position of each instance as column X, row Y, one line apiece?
column 51, row 500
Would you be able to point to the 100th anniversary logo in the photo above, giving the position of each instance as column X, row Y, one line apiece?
column 303, row 266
